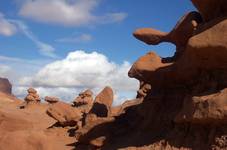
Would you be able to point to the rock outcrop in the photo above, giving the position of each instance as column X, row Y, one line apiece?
column 65, row 114
column 181, row 102
column 32, row 97
column 211, row 9
column 103, row 102
column 183, row 99
column 84, row 101
column 51, row 99
column 5, row 86
column 179, row 35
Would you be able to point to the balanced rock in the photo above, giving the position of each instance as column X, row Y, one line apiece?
column 64, row 114
column 179, row 35
column 5, row 86
column 32, row 96
column 51, row 99
column 103, row 102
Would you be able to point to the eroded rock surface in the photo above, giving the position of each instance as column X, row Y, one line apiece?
column 103, row 103
column 32, row 97
column 64, row 114
column 84, row 101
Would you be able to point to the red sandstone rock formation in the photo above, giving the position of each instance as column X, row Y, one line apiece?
column 103, row 103
column 84, row 101
column 65, row 114
column 32, row 97
column 185, row 103
column 181, row 104
column 51, row 99
column 5, row 86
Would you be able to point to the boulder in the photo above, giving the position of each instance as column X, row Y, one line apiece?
column 51, row 99
column 103, row 103
column 64, row 114
column 5, row 86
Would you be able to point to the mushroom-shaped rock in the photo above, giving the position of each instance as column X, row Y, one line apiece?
column 51, row 99
column 5, row 86
column 64, row 113
column 179, row 35
column 103, row 102
column 211, row 9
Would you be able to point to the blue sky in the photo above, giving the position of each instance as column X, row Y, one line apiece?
column 46, row 31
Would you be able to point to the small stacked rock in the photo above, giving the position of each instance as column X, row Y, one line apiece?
column 84, row 101
column 32, row 97
column 51, row 99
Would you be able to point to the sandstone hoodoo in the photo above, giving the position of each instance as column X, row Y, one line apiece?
column 84, row 101
column 103, row 102
column 32, row 97
column 5, row 86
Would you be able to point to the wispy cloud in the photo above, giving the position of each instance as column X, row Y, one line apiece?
column 67, row 12
column 82, row 38
column 6, row 28
column 44, row 48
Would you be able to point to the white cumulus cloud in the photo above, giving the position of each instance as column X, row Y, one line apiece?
column 6, row 28
column 79, row 71
column 67, row 12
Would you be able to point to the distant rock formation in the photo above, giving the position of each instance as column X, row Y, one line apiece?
column 103, row 103
column 32, row 97
column 51, row 99
column 84, row 101
column 5, row 86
